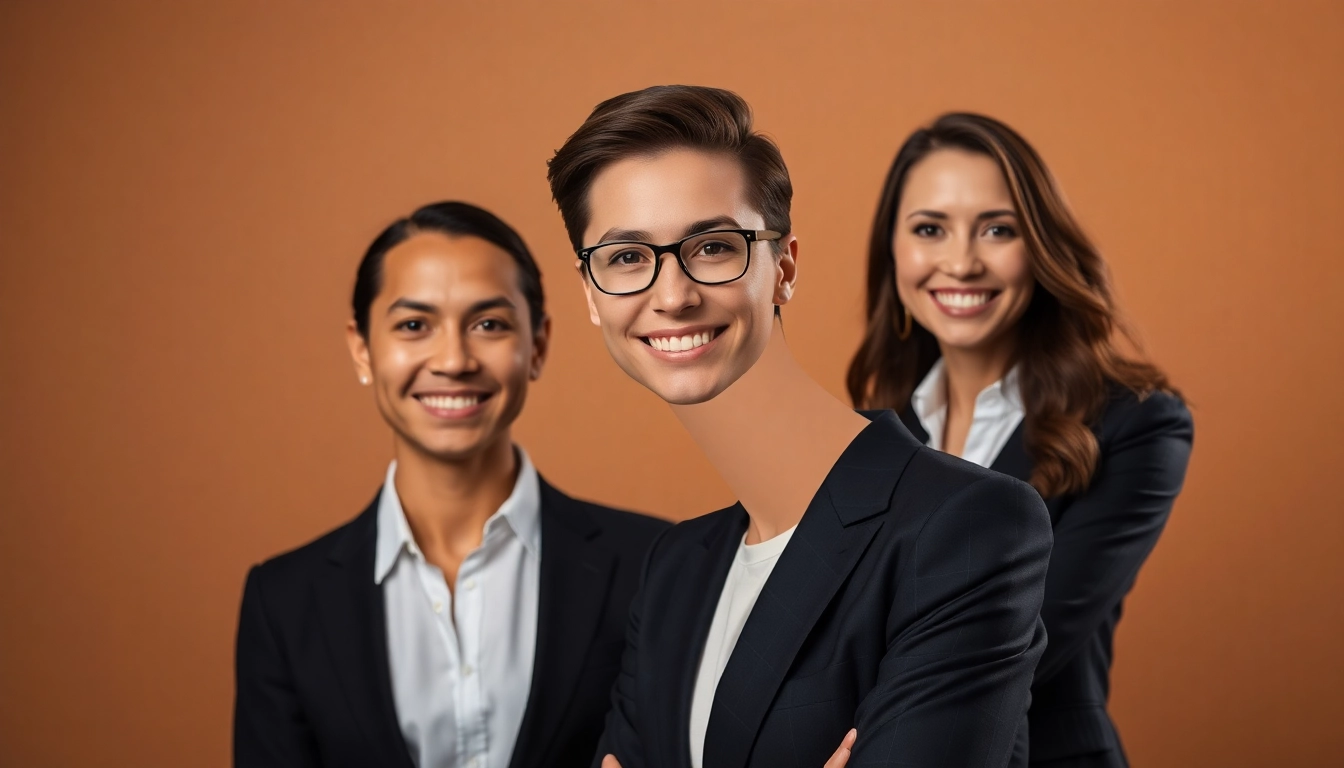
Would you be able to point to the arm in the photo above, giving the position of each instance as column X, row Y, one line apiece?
column 965, row 633
column 620, row 737
column 1106, row 534
column 268, row 724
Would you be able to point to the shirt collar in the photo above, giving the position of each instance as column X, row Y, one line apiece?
column 929, row 400
column 520, row 513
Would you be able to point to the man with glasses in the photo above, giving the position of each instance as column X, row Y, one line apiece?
column 865, row 591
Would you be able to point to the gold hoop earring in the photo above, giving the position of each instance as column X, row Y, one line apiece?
column 905, row 332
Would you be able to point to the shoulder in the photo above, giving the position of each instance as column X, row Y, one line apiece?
column 1154, row 415
column 971, row 509
column 941, row 478
column 294, row 568
column 631, row 528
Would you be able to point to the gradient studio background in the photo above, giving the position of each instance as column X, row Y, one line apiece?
column 187, row 188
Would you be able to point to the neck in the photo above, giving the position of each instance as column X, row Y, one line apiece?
column 773, row 436
column 969, row 371
column 447, row 502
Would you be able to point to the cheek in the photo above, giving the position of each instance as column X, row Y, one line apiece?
column 913, row 266
column 1013, row 267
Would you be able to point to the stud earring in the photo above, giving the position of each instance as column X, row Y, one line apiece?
column 364, row 380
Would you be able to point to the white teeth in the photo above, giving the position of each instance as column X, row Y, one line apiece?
column 445, row 403
column 680, row 343
column 961, row 300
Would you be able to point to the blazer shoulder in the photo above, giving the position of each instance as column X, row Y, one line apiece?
column 633, row 528
column 1130, row 416
column 302, row 562
column 948, row 488
column 629, row 525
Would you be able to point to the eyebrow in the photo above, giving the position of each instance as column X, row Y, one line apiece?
column 430, row 309
column 639, row 235
column 979, row 217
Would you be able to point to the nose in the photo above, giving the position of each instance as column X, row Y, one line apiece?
column 673, row 291
column 452, row 354
column 961, row 258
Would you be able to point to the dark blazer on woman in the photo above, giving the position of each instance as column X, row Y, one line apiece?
column 313, row 682
column 1102, row 536
column 906, row 604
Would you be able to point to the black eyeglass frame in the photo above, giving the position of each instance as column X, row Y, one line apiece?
column 750, row 235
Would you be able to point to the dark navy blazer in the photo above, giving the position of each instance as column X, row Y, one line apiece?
column 906, row 604
column 1102, row 536
column 313, row 686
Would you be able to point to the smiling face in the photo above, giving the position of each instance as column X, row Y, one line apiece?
column 450, row 350
column 685, row 341
column 962, row 267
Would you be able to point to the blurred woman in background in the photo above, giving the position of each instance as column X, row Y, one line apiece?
column 992, row 331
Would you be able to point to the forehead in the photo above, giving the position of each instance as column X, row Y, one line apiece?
column 949, row 179
column 439, row 269
column 664, row 193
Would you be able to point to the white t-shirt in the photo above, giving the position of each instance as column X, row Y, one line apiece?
column 751, row 567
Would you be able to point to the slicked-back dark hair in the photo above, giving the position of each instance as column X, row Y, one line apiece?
column 663, row 117
column 454, row 219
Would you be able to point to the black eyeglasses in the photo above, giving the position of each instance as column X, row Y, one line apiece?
column 709, row 258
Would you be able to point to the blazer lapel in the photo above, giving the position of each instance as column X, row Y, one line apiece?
column 350, row 605
column 916, row 427
column 705, row 571
column 834, row 532
column 1013, row 460
column 575, row 584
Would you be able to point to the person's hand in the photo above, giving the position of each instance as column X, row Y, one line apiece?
column 837, row 760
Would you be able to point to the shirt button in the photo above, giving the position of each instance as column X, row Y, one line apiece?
column 469, row 584
column 438, row 607
column 467, row 669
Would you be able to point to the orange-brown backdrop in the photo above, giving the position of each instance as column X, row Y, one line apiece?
column 187, row 189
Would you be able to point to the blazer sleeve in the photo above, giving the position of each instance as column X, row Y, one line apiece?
column 269, row 728
column 620, row 737
column 1105, row 535
column 965, row 633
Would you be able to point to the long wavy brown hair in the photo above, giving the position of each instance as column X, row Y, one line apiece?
column 1069, row 361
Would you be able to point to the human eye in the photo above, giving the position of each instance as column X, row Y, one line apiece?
column 925, row 229
column 493, row 325
column 411, row 325
column 714, row 247
column 1001, row 231
column 626, row 257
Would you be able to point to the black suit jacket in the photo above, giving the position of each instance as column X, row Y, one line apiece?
column 1101, row 538
column 905, row 604
column 313, row 683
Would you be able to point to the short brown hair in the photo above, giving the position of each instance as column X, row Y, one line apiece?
column 660, row 118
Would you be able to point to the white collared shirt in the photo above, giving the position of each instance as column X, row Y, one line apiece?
column 998, row 411
column 461, row 665
column 751, row 566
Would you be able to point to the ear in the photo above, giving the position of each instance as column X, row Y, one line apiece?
column 786, row 263
column 359, row 352
column 541, row 344
column 588, row 293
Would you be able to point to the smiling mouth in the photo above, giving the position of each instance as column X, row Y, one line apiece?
column 963, row 299
column 453, row 402
column 682, row 343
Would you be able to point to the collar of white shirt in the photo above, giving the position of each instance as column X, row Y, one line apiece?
column 519, row 515
column 999, row 402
